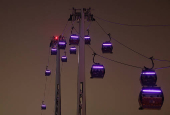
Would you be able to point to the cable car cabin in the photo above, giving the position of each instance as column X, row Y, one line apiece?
column 62, row 44
column 148, row 78
column 87, row 39
column 74, row 39
column 73, row 50
column 53, row 51
column 43, row 107
column 151, row 98
column 47, row 73
column 107, row 47
column 64, row 59
column 53, row 42
column 97, row 71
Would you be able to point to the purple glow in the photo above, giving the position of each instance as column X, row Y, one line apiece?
column 61, row 42
column 74, row 37
column 107, row 44
column 48, row 71
column 98, row 67
column 151, row 73
column 43, row 105
column 54, row 49
column 87, row 37
column 73, row 48
column 64, row 57
column 149, row 90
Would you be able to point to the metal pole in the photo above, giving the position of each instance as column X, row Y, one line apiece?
column 81, row 89
column 58, row 85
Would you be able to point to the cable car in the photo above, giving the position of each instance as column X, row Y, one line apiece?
column 53, row 51
column 43, row 107
column 148, row 78
column 87, row 39
column 47, row 73
column 74, row 39
column 62, row 44
column 97, row 71
column 151, row 98
column 54, row 41
column 73, row 50
column 64, row 59
column 107, row 47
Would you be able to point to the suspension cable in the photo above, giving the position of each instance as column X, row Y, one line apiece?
column 108, row 58
column 162, row 67
column 119, row 62
column 123, row 44
column 161, row 60
column 126, row 47
column 64, row 28
column 131, row 48
column 49, row 87
column 131, row 24
column 88, row 26
column 45, row 88
column 48, row 57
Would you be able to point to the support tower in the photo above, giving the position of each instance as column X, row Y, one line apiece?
column 80, row 15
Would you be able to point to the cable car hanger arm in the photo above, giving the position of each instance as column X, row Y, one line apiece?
column 151, row 58
column 109, row 37
column 94, row 54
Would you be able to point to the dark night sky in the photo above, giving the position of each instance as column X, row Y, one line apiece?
column 25, row 30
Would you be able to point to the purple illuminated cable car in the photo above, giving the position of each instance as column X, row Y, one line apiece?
column 62, row 44
column 47, row 73
column 87, row 39
column 43, row 107
column 148, row 78
column 64, row 59
column 151, row 98
column 107, row 47
column 53, row 51
column 74, row 39
column 73, row 50
column 97, row 71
